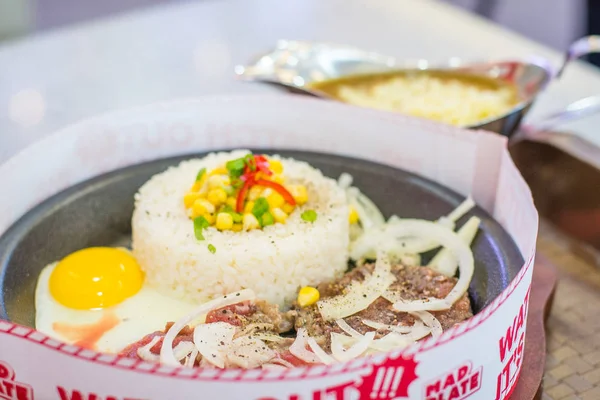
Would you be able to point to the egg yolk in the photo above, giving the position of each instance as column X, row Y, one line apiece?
column 95, row 278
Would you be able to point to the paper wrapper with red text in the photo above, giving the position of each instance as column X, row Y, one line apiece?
column 480, row 359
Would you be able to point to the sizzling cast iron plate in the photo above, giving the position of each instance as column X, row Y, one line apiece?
column 98, row 213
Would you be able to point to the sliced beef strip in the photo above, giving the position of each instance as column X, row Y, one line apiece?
column 258, row 312
column 412, row 283
column 131, row 351
column 241, row 315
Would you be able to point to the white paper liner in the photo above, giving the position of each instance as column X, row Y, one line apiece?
column 480, row 359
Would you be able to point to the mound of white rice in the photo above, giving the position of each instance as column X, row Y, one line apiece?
column 274, row 262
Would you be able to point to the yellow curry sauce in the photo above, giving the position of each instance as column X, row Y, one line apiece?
column 452, row 97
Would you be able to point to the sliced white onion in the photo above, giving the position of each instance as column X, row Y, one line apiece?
column 208, row 339
column 408, row 333
column 318, row 350
column 298, row 348
column 445, row 262
column 189, row 362
column 463, row 208
column 391, row 341
column 248, row 353
column 144, row 352
column 183, row 349
column 347, row 341
column 348, row 329
column 345, row 180
column 283, row 362
column 444, row 221
column 376, row 325
column 393, row 328
column 337, row 348
column 385, row 239
column 394, row 219
column 431, row 322
column 379, row 237
column 342, row 354
column 369, row 209
column 356, row 231
column 368, row 213
column 359, row 295
column 166, row 351
column 456, row 245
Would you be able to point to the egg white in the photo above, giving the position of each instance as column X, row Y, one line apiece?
column 143, row 313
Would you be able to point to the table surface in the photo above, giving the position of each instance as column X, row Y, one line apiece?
column 189, row 49
column 573, row 342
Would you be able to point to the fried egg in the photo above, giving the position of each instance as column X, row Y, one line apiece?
column 97, row 298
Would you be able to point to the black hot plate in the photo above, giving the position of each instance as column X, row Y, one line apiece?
column 98, row 212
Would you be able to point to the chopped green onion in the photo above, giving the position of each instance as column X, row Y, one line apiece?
column 236, row 217
column 267, row 219
column 249, row 159
column 261, row 206
column 212, row 248
column 309, row 216
column 229, row 210
column 200, row 174
column 200, row 223
column 230, row 190
column 236, row 167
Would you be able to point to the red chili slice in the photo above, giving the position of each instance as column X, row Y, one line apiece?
column 262, row 164
column 260, row 158
column 287, row 196
column 239, row 205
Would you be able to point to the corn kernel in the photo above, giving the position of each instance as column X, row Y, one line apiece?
column 250, row 222
column 352, row 215
column 231, row 202
column 287, row 208
column 203, row 206
column 248, row 207
column 219, row 171
column 255, row 192
column 299, row 193
column 237, row 227
column 275, row 166
column 224, row 221
column 278, row 178
column 198, row 185
column 308, row 296
column 210, row 218
column 193, row 214
column 190, row 198
column 216, row 196
column 275, row 200
column 279, row 215
column 218, row 181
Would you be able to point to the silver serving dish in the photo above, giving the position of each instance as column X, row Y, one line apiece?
column 294, row 65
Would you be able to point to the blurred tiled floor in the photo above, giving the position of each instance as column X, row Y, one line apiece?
column 573, row 361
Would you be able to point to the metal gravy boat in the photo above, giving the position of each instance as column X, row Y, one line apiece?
column 294, row 65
